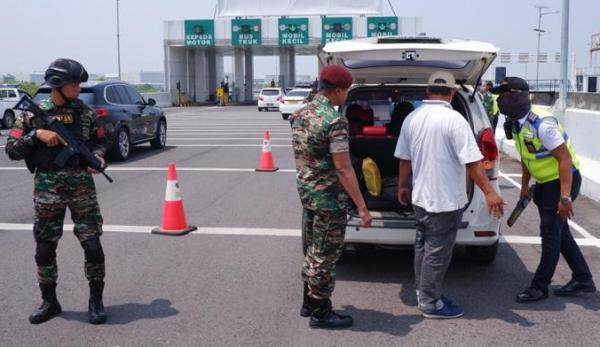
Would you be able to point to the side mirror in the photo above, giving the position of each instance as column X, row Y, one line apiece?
column 151, row 102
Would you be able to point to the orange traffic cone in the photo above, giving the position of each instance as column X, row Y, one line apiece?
column 266, row 159
column 173, row 220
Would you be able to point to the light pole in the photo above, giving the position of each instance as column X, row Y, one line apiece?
column 118, row 42
column 540, row 31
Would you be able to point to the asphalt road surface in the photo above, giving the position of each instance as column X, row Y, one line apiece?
column 236, row 281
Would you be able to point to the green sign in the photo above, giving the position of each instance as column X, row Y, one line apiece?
column 382, row 26
column 246, row 32
column 293, row 31
column 336, row 29
column 200, row 32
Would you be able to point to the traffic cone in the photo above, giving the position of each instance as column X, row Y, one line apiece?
column 173, row 220
column 266, row 159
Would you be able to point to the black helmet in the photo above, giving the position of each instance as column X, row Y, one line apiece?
column 62, row 71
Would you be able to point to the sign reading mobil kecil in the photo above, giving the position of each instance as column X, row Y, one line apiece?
column 246, row 32
column 199, row 32
column 382, row 26
column 336, row 29
column 293, row 31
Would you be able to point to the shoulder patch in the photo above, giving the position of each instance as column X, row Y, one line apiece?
column 46, row 105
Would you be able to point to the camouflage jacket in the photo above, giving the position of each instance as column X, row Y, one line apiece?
column 21, row 143
column 318, row 130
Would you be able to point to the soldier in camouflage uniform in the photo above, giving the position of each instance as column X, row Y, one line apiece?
column 56, row 188
column 325, row 178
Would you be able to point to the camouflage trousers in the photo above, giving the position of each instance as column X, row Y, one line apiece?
column 323, row 237
column 54, row 191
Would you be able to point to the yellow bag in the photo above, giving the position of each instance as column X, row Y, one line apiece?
column 372, row 177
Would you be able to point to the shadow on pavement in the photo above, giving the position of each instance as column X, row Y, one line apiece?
column 486, row 292
column 127, row 313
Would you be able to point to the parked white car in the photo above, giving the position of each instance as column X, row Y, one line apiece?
column 294, row 100
column 9, row 96
column 390, row 74
column 269, row 98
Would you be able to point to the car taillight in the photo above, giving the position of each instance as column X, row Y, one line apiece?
column 261, row 98
column 102, row 112
column 488, row 148
column 279, row 98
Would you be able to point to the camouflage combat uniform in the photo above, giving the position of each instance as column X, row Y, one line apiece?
column 55, row 189
column 318, row 131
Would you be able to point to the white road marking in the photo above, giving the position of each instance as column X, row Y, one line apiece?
column 572, row 224
column 226, row 138
column 524, row 240
column 200, row 169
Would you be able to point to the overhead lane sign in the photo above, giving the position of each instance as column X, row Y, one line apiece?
column 336, row 29
column 382, row 26
column 246, row 32
column 293, row 31
column 199, row 32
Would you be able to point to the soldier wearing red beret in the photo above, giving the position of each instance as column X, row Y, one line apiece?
column 325, row 179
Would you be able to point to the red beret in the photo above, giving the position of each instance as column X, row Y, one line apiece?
column 336, row 76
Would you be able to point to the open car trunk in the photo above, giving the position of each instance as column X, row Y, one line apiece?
column 386, row 108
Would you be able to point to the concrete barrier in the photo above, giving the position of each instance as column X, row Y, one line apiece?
column 581, row 125
column 163, row 99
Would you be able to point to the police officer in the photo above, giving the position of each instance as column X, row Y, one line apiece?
column 325, row 178
column 56, row 188
column 548, row 155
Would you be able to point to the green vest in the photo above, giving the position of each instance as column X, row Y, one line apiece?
column 495, row 109
column 539, row 160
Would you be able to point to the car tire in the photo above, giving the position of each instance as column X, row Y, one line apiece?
column 160, row 141
column 483, row 255
column 8, row 120
column 285, row 116
column 122, row 146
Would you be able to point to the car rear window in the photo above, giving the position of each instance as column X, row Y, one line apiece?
column 86, row 97
column 269, row 92
column 298, row 93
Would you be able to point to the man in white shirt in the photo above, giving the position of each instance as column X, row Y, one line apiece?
column 437, row 146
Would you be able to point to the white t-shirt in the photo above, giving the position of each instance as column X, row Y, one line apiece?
column 439, row 143
column 548, row 132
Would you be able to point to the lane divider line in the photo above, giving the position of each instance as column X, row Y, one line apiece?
column 508, row 239
column 133, row 168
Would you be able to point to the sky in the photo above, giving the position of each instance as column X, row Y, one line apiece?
column 43, row 30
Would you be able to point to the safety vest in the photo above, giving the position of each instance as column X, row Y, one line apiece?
column 538, row 159
column 495, row 109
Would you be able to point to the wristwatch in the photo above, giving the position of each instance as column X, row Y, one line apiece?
column 565, row 200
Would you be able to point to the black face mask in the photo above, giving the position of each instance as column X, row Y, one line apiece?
column 514, row 105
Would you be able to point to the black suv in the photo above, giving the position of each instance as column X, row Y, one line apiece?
column 127, row 118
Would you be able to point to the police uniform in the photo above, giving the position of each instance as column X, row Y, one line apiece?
column 55, row 189
column 536, row 135
column 318, row 131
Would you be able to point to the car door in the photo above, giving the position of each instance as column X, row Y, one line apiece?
column 148, row 114
column 136, row 123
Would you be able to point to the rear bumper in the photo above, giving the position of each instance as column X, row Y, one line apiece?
column 268, row 104
column 385, row 235
column 289, row 109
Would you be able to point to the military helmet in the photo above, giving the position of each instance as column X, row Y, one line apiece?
column 62, row 71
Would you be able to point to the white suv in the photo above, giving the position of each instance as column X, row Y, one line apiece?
column 390, row 76
column 269, row 98
column 9, row 96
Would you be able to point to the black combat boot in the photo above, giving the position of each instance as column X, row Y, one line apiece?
column 306, row 310
column 96, row 307
column 50, row 306
column 323, row 317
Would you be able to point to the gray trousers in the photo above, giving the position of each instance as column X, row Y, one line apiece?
column 436, row 234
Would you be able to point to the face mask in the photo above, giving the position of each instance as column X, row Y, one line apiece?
column 514, row 105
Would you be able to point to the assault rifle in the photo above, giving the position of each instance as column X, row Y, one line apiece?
column 72, row 146
column 520, row 207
